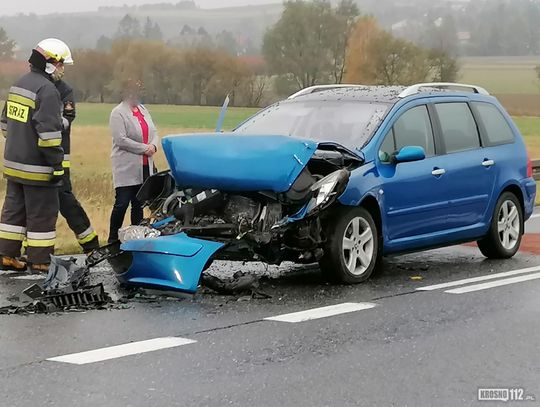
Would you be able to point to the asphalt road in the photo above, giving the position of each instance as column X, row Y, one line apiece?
column 397, row 340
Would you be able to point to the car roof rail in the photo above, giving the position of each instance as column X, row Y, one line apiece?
column 316, row 88
column 414, row 89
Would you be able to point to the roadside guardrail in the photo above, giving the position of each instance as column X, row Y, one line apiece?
column 536, row 169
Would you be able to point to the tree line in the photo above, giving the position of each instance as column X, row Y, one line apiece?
column 313, row 42
column 170, row 76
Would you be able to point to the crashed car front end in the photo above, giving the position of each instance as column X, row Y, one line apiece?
column 233, row 197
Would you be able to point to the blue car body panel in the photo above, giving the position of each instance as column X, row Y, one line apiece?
column 173, row 262
column 232, row 162
column 417, row 209
column 421, row 211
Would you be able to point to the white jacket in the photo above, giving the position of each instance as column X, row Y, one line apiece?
column 128, row 147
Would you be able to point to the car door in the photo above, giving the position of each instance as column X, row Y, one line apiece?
column 468, row 168
column 414, row 193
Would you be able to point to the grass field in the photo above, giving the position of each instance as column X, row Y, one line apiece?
column 512, row 79
column 170, row 117
column 91, row 145
column 502, row 75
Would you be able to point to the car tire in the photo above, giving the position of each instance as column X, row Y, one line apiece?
column 352, row 248
column 506, row 229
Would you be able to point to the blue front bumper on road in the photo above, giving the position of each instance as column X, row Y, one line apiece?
column 173, row 262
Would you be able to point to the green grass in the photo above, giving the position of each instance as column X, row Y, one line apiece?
column 530, row 128
column 167, row 116
column 502, row 75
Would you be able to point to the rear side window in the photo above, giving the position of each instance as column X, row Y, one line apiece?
column 413, row 128
column 458, row 127
column 497, row 128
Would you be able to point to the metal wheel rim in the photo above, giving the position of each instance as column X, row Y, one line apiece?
column 358, row 246
column 509, row 225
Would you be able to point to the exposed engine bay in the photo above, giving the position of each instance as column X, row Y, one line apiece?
column 262, row 225
column 263, row 198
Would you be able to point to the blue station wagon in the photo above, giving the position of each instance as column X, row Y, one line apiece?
column 340, row 175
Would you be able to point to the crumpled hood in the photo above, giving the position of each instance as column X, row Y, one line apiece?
column 237, row 162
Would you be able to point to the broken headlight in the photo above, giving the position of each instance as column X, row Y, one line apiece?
column 326, row 188
column 137, row 233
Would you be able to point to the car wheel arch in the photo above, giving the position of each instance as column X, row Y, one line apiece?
column 371, row 204
column 517, row 191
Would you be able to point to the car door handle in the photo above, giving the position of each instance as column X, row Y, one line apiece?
column 437, row 172
column 488, row 163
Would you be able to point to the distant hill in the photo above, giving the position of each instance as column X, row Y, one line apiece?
column 82, row 30
column 472, row 27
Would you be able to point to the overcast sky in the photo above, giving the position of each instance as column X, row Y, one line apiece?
column 58, row 6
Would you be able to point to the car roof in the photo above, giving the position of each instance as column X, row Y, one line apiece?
column 377, row 94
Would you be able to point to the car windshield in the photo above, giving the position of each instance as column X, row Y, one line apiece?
column 348, row 123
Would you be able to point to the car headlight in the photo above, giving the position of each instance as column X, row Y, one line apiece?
column 323, row 190
column 137, row 233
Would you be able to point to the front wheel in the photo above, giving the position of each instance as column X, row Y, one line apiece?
column 506, row 230
column 352, row 248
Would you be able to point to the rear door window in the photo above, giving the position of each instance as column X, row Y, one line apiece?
column 498, row 130
column 413, row 128
column 459, row 130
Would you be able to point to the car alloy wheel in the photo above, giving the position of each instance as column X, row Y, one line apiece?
column 358, row 246
column 509, row 225
column 503, row 238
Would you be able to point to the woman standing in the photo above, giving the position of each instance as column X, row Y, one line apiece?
column 135, row 142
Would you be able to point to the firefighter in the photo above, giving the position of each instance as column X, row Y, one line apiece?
column 70, row 208
column 33, row 155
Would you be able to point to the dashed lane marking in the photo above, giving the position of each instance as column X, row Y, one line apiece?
column 8, row 272
column 492, row 284
column 31, row 277
column 477, row 279
column 322, row 312
column 119, row 351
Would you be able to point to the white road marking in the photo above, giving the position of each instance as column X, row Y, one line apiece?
column 322, row 312
column 31, row 277
column 113, row 352
column 8, row 272
column 477, row 279
column 536, row 215
column 498, row 283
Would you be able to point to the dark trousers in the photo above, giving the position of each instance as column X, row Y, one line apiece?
column 76, row 217
column 29, row 212
column 123, row 197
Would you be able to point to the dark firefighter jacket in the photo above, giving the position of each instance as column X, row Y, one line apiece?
column 32, row 123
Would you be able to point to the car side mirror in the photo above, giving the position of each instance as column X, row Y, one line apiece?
column 408, row 154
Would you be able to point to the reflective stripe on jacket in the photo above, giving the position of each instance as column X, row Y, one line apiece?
column 32, row 122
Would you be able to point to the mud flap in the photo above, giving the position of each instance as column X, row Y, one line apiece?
column 173, row 262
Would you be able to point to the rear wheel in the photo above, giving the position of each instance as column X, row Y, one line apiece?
column 504, row 235
column 352, row 248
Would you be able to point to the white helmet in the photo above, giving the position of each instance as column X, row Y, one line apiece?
column 53, row 48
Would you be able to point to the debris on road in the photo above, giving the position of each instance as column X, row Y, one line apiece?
column 239, row 283
column 65, row 288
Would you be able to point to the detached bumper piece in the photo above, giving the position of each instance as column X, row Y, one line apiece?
column 173, row 262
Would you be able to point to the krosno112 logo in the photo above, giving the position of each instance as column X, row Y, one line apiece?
column 504, row 395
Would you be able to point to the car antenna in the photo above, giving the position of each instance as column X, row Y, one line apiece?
column 222, row 114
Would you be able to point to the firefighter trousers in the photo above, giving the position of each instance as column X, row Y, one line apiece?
column 76, row 217
column 29, row 213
